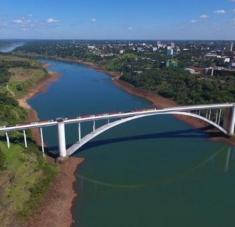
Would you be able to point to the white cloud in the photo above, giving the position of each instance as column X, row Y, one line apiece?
column 93, row 20
column 25, row 23
column 220, row 11
column 52, row 20
column 18, row 21
column 193, row 21
column 22, row 21
column 204, row 16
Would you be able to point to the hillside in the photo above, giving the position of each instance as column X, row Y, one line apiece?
column 24, row 174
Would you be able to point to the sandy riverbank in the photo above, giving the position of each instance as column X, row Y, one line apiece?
column 162, row 102
column 55, row 209
column 23, row 102
column 61, row 194
column 157, row 100
column 56, row 206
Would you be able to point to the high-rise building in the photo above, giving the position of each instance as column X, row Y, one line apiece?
column 231, row 47
column 170, row 51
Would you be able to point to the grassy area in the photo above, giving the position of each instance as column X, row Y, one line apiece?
column 24, row 174
column 24, row 79
column 24, row 74
column 24, row 177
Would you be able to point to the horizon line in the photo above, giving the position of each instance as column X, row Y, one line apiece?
column 71, row 39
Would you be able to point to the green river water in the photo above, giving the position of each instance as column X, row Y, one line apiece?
column 151, row 172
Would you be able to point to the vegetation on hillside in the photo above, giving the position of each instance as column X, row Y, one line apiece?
column 183, row 88
column 154, row 71
column 24, row 174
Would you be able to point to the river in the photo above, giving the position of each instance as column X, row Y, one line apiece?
column 157, row 171
column 10, row 46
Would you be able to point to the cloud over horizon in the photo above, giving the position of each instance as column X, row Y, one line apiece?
column 91, row 20
column 52, row 20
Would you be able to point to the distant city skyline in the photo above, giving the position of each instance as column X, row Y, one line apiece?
column 123, row 19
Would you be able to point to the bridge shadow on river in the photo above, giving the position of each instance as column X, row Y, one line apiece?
column 199, row 133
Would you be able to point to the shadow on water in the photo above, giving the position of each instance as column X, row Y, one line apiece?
column 199, row 133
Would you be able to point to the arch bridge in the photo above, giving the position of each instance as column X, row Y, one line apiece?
column 220, row 116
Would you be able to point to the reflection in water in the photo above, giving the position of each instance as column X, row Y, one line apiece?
column 229, row 151
column 228, row 159
column 152, row 172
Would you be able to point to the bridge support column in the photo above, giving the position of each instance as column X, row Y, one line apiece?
column 8, row 140
column 93, row 126
column 219, row 118
column 25, row 139
column 232, row 121
column 229, row 120
column 42, row 142
column 61, row 138
column 79, row 132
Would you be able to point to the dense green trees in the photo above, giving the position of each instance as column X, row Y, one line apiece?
column 154, row 71
column 4, row 75
column 183, row 87
column 121, row 63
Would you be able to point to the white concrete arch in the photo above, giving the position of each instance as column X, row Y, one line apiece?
column 111, row 125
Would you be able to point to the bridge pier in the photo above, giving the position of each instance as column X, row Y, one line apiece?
column 61, row 138
column 42, row 142
column 8, row 140
column 79, row 132
column 229, row 120
column 232, row 121
column 93, row 126
column 25, row 139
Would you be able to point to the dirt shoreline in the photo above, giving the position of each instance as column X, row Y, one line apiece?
column 55, row 209
column 157, row 100
column 58, row 202
column 56, row 206
column 23, row 102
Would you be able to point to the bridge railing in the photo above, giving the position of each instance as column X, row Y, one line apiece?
column 210, row 113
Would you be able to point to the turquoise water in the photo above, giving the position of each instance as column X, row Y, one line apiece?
column 156, row 171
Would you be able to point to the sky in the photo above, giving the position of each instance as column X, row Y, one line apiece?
column 117, row 19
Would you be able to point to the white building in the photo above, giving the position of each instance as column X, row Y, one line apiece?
column 170, row 51
column 155, row 49
column 231, row 47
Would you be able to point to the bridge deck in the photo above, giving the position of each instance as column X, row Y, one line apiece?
column 105, row 116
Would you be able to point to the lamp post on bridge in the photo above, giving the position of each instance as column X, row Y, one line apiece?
column 61, row 138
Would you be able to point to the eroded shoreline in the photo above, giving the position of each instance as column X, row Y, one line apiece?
column 23, row 102
column 55, row 208
column 60, row 198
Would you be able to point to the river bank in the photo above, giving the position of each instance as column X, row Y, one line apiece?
column 55, row 209
column 155, row 99
column 54, row 197
column 23, row 102
column 57, row 203
column 94, row 199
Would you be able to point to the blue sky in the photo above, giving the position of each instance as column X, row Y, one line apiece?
column 117, row 19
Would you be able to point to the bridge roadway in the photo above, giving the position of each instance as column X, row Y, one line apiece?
column 110, row 116
column 196, row 111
